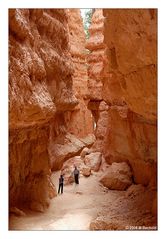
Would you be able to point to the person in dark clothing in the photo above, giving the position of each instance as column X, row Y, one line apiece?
column 61, row 179
column 76, row 175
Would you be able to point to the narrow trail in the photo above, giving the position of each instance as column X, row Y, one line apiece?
column 73, row 210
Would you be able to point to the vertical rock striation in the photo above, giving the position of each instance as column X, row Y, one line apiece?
column 130, row 90
column 40, row 91
column 81, row 121
column 96, row 62
column 73, row 129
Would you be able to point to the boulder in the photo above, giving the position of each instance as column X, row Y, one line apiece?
column 86, row 171
column 84, row 152
column 93, row 161
column 117, row 177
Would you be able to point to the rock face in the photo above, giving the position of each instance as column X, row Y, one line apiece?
column 96, row 47
column 93, row 161
column 40, row 91
column 123, row 92
column 47, row 72
column 81, row 120
column 71, row 146
column 130, row 90
column 78, row 121
column 117, row 177
column 96, row 61
column 132, row 48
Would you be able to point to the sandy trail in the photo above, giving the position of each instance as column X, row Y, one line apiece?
column 73, row 210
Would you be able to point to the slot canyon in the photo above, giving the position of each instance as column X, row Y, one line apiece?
column 88, row 101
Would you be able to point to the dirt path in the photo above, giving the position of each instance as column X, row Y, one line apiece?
column 73, row 210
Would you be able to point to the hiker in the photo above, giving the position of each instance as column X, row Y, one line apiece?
column 76, row 175
column 61, row 179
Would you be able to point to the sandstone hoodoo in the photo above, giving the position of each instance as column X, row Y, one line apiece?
column 83, row 97
column 81, row 121
column 96, row 60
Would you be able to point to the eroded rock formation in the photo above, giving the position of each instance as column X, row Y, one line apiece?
column 76, row 126
column 122, row 84
column 48, row 100
column 127, row 74
column 67, row 146
column 55, row 87
column 96, row 61
column 40, row 89
column 81, row 121
column 130, row 90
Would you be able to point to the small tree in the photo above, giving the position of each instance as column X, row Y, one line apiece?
column 87, row 21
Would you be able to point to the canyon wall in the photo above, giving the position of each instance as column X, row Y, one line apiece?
column 130, row 90
column 76, row 125
column 49, row 119
column 51, row 85
column 96, row 61
column 81, row 121
column 40, row 92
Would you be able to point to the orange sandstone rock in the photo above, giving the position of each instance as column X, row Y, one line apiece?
column 40, row 91
column 68, row 147
column 93, row 161
column 96, row 57
column 96, row 62
column 81, row 120
column 117, row 177
column 130, row 89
